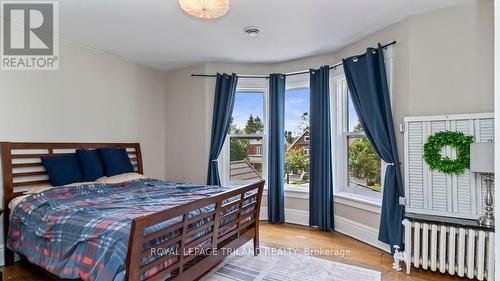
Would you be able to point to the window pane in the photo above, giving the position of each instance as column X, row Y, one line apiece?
column 364, row 164
column 297, row 137
column 248, row 113
column 353, row 121
column 246, row 158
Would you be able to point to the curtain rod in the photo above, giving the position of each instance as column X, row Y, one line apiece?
column 286, row 74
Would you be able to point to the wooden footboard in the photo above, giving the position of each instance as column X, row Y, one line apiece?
column 197, row 241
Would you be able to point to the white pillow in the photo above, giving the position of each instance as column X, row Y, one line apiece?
column 79, row 183
column 13, row 203
column 39, row 189
column 121, row 178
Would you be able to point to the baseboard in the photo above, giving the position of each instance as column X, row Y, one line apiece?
column 291, row 216
column 356, row 230
column 361, row 232
column 297, row 216
column 2, row 258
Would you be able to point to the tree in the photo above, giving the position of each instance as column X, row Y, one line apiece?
column 254, row 125
column 289, row 137
column 303, row 123
column 296, row 160
column 233, row 128
column 358, row 127
column 238, row 149
column 364, row 163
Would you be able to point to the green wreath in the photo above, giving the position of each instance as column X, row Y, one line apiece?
column 457, row 140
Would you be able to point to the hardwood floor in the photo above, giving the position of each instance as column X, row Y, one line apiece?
column 361, row 254
column 298, row 237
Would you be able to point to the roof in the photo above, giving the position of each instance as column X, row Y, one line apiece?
column 243, row 170
column 297, row 139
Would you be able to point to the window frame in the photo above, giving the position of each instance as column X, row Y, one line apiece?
column 341, row 134
column 296, row 85
column 338, row 106
column 258, row 151
column 224, row 158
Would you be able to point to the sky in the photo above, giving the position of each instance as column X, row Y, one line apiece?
column 246, row 104
column 252, row 103
column 296, row 103
column 353, row 116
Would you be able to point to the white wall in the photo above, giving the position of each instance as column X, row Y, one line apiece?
column 443, row 64
column 451, row 60
column 186, row 148
column 93, row 97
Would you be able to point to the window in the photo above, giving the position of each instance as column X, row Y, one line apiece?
column 297, row 137
column 258, row 151
column 359, row 168
column 244, row 152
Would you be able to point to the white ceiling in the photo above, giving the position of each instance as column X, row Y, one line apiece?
column 159, row 34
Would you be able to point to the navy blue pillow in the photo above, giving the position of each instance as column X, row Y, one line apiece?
column 115, row 161
column 90, row 164
column 62, row 169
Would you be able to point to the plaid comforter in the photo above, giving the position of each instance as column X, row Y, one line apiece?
column 83, row 232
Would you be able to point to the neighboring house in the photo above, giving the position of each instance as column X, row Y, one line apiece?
column 254, row 151
column 301, row 142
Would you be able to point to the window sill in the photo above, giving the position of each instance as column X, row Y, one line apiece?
column 294, row 188
column 344, row 198
column 292, row 191
column 357, row 201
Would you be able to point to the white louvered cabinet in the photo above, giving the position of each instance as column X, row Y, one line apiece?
column 432, row 192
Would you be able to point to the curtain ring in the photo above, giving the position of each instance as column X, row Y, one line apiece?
column 355, row 59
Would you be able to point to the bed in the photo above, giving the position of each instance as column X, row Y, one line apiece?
column 194, row 226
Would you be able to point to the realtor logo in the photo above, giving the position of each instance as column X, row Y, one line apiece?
column 30, row 36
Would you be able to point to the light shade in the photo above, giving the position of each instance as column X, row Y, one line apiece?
column 205, row 9
column 482, row 157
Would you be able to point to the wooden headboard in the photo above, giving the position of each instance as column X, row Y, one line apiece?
column 23, row 169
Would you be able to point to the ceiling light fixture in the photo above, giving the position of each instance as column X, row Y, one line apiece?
column 205, row 9
column 252, row 31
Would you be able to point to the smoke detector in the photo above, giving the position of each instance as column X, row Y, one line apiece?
column 252, row 31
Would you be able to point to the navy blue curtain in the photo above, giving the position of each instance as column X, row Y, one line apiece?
column 367, row 82
column 225, row 89
column 321, row 179
column 276, row 170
